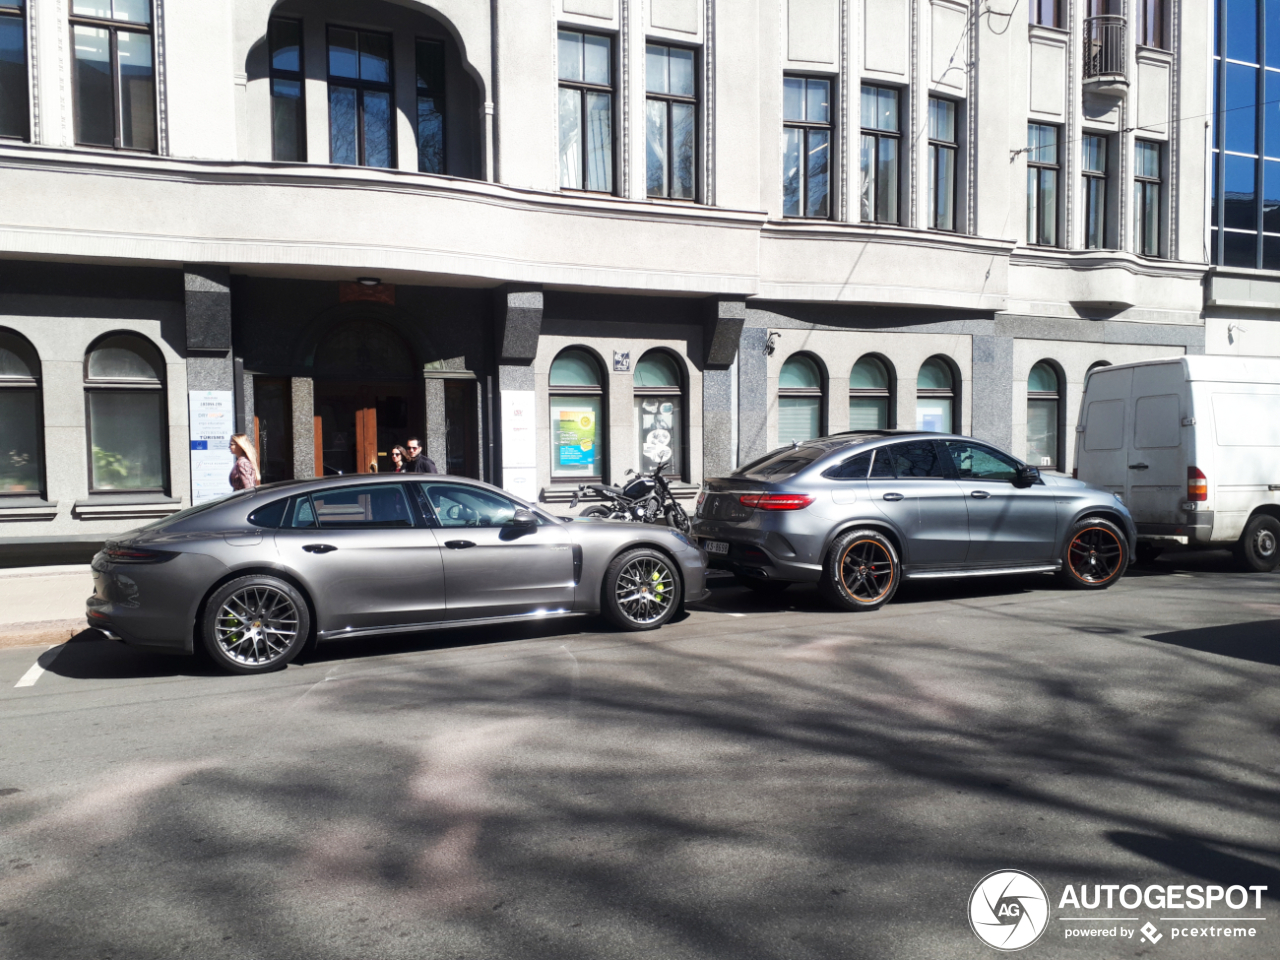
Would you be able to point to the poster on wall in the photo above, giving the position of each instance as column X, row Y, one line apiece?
column 658, row 424
column 575, row 446
column 212, row 420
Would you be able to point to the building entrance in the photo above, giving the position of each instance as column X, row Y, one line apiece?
column 357, row 424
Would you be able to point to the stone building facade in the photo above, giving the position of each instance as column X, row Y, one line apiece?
column 558, row 240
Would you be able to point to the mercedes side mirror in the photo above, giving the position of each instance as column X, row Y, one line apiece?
column 1026, row 475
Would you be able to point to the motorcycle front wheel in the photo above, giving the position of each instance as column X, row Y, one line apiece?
column 677, row 519
column 599, row 510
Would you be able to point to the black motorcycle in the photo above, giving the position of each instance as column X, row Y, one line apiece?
column 645, row 499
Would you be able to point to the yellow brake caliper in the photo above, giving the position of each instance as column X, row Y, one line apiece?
column 657, row 587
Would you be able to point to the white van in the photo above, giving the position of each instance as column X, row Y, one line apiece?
column 1192, row 444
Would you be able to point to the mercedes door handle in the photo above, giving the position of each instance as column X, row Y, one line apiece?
column 319, row 548
column 893, row 496
column 459, row 544
column 980, row 495
column 1138, row 466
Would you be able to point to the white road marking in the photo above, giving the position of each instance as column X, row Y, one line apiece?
column 43, row 663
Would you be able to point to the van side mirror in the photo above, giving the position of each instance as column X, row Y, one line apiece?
column 1026, row 476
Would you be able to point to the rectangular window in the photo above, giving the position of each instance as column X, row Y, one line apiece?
column 115, row 88
column 430, row 83
column 1044, row 12
column 1095, row 192
column 1146, row 198
column 806, row 151
column 361, row 128
column 1042, row 184
column 14, row 111
column 880, row 151
column 942, row 164
column 671, row 122
column 1151, row 30
column 586, row 111
column 288, row 112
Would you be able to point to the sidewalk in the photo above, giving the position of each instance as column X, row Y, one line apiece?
column 43, row 605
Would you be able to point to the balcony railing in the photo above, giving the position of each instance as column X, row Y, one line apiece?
column 1104, row 47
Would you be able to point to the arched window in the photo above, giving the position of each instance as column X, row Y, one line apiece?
column 1043, row 403
column 577, row 409
column 799, row 400
column 21, row 462
column 125, row 402
column 870, row 395
column 936, row 397
column 659, row 402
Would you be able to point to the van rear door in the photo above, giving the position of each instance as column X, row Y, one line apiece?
column 1157, row 465
column 1101, row 455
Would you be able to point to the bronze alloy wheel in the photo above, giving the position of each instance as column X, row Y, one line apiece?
column 866, row 570
column 1095, row 555
column 860, row 571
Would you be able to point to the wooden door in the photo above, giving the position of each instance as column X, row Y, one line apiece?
column 366, row 434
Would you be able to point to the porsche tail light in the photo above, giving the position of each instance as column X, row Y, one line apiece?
column 118, row 554
column 1197, row 484
column 776, row 501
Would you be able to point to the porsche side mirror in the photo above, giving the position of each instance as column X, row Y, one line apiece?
column 524, row 518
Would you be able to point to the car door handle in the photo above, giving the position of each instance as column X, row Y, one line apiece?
column 1138, row 466
column 893, row 496
column 319, row 547
column 980, row 495
column 459, row 544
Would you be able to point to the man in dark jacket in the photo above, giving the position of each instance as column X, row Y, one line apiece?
column 419, row 462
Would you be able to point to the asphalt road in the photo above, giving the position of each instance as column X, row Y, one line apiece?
column 765, row 778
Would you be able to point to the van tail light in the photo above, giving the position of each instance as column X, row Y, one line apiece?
column 1197, row 484
column 776, row 501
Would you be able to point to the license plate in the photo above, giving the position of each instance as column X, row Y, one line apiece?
column 715, row 546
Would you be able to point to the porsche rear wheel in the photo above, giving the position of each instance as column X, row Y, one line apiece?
column 255, row 624
column 641, row 589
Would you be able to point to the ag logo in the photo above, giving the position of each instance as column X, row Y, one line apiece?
column 1008, row 910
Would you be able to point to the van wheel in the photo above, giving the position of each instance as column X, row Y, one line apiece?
column 1259, row 546
column 861, row 571
column 1095, row 556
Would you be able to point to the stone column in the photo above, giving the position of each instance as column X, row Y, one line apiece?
column 517, row 316
column 991, row 405
column 207, row 301
column 753, row 399
column 723, row 319
column 302, row 398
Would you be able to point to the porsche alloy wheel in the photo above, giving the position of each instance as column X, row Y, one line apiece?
column 255, row 624
column 641, row 590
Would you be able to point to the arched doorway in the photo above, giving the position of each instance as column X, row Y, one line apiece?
column 368, row 397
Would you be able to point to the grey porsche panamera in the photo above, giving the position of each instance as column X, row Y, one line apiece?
column 256, row 576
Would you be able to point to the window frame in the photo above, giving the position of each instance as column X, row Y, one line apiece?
column 1041, row 170
column 888, row 393
column 820, row 392
column 879, row 136
column 935, row 148
column 953, row 392
column 1144, row 187
column 583, row 88
column 35, row 386
column 681, row 393
column 806, row 127
column 1036, row 13
column 1096, row 182
column 360, row 85
column 1042, row 396
column 92, row 385
column 20, row 13
column 299, row 76
column 441, row 99
column 1149, row 34
column 602, row 429
column 695, row 101
column 114, row 28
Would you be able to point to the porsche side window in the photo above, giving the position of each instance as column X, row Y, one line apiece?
column 300, row 513
column 981, row 463
column 464, row 506
column 271, row 514
column 375, row 505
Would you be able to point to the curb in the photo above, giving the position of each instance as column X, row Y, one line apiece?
column 40, row 633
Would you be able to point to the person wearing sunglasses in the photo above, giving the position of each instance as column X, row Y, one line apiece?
column 419, row 462
column 399, row 457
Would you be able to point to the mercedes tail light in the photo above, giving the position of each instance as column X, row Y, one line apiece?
column 776, row 501
column 1197, row 484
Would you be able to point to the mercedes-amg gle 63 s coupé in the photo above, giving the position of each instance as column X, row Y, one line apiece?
column 256, row 576
column 858, row 513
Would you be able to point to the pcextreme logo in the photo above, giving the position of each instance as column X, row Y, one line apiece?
column 1009, row 910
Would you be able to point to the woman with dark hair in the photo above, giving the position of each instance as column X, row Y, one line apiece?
column 399, row 457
